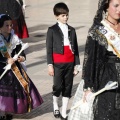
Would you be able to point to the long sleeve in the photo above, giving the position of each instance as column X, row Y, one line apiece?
column 77, row 59
column 89, row 62
column 49, row 44
column 94, row 59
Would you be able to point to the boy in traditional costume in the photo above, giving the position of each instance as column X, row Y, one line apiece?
column 62, row 58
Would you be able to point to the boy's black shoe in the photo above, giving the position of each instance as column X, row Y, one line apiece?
column 56, row 113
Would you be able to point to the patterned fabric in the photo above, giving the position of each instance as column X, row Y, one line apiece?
column 100, row 14
column 97, row 71
column 95, row 50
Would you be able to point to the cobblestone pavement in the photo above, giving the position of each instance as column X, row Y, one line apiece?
column 39, row 16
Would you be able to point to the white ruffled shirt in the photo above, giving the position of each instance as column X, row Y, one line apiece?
column 64, row 29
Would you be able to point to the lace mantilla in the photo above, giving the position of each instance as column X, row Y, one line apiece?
column 94, row 35
column 100, row 14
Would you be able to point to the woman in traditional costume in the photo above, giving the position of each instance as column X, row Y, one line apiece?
column 101, row 65
column 18, row 94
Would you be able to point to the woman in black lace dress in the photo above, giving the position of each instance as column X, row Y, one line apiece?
column 102, row 63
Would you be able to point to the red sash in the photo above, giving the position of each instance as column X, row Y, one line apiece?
column 66, row 57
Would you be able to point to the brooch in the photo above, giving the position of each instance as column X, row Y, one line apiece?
column 102, row 30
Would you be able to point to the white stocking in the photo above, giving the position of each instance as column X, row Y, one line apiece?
column 64, row 106
column 55, row 103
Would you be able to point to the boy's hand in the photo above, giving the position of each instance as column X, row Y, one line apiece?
column 75, row 72
column 77, row 69
column 50, row 70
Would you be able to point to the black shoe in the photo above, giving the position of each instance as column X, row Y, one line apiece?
column 9, row 117
column 56, row 113
column 62, row 118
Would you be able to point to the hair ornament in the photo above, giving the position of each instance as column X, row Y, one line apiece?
column 2, row 15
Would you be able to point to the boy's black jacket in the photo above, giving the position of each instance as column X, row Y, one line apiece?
column 55, row 42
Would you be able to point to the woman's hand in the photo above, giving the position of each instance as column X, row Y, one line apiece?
column 21, row 59
column 10, row 61
column 50, row 70
column 87, row 96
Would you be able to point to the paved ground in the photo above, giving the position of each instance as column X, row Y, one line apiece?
column 39, row 16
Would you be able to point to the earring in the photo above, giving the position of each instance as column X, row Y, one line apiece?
column 106, row 14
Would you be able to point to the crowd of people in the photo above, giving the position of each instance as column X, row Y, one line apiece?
column 101, row 65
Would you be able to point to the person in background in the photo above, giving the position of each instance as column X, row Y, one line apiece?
column 62, row 58
column 16, row 10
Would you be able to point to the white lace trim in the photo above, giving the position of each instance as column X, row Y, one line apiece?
column 14, row 41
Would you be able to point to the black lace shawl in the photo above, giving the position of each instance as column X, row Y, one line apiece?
column 94, row 57
column 95, row 50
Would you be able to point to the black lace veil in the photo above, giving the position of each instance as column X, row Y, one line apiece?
column 100, row 14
